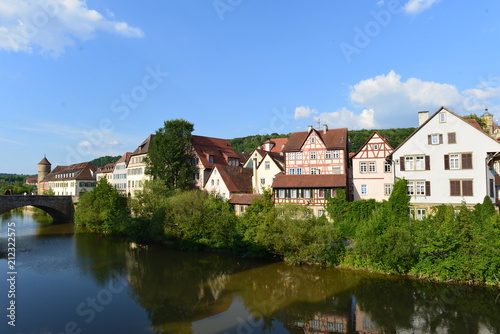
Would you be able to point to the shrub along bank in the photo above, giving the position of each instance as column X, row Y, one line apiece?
column 451, row 245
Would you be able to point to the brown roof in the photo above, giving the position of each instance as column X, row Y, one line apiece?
column 368, row 140
column 474, row 123
column 333, row 139
column 82, row 171
column 144, row 147
column 278, row 159
column 237, row 179
column 245, row 199
column 126, row 158
column 310, row 181
column 278, row 144
column 44, row 161
column 106, row 168
column 221, row 149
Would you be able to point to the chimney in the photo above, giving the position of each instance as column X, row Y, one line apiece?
column 422, row 117
column 309, row 128
column 325, row 128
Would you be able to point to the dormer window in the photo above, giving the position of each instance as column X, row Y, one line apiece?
column 211, row 159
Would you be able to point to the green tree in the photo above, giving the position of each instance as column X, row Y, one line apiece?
column 103, row 209
column 170, row 155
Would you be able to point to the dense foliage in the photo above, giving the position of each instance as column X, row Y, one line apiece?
column 394, row 136
column 103, row 161
column 451, row 244
column 478, row 119
column 250, row 143
column 16, row 182
column 103, row 209
column 170, row 157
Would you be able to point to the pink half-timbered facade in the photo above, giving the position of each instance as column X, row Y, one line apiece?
column 372, row 175
column 316, row 163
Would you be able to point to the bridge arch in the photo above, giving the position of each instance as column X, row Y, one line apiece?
column 60, row 208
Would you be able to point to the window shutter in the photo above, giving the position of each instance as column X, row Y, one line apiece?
column 467, row 188
column 429, row 139
column 467, row 161
column 427, row 188
column 402, row 164
column 452, row 138
column 492, row 188
column 446, row 162
column 427, row 162
column 454, row 188
column 440, row 138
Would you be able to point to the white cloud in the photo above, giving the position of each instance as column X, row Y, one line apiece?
column 346, row 118
column 396, row 102
column 85, row 144
column 418, row 6
column 51, row 25
column 304, row 112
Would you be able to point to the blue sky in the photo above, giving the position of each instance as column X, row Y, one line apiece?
column 81, row 79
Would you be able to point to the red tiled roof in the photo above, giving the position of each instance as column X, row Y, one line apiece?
column 310, row 181
column 278, row 144
column 221, row 150
column 31, row 180
column 333, row 139
column 237, row 179
column 82, row 171
column 474, row 123
column 106, row 168
column 125, row 158
column 245, row 199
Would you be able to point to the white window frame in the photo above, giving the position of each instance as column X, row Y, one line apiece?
column 291, row 171
column 267, row 165
column 372, row 167
column 306, row 193
column 314, row 171
column 442, row 117
column 291, row 156
column 454, row 161
column 299, row 170
column 262, row 180
column 312, row 155
column 420, row 188
column 387, row 167
column 328, row 155
column 435, row 139
column 281, row 193
column 364, row 189
column 362, row 167
column 420, row 213
column 387, row 189
column 293, row 193
column 298, row 156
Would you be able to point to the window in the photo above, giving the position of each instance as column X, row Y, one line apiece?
column 362, row 167
column 418, row 162
column 364, row 189
column 452, row 138
column 410, row 189
column 420, row 185
column 299, row 171
column 419, row 188
column 291, row 171
column 461, row 188
column 293, row 193
column 315, row 323
column 313, row 140
column 387, row 167
column 387, row 189
column 213, row 182
column 313, row 170
column 306, row 193
column 336, row 154
column 321, row 193
column 435, row 139
column 372, row 167
column 291, row 156
column 420, row 214
column 328, row 155
column 458, row 161
column 263, row 181
column 281, row 193
column 299, row 156
column 313, row 155
column 211, row 159
column 375, row 146
column 268, row 165
column 442, row 117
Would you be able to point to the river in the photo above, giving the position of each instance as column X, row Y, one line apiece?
column 67, row 282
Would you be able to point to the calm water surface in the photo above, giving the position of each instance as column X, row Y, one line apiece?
column 83, row 283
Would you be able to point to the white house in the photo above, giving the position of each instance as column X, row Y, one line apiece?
column 446, row 160
column 120, row 173
column 136, row 168
column 266, row 170
column 225, row 180
column 71, row 180
column 371, row 173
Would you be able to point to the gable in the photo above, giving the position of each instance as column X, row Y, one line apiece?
column 375, row 147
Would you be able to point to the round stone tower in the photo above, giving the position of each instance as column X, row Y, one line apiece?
column 44, row 168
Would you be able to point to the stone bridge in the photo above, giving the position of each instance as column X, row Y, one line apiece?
column 60, row 208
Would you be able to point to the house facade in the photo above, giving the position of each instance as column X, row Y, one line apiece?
column 448, row 159
column 266, row 170
column 71, row 180
column 135, row 171
column 208, row 152
column 316, row 164
column 121, row 172
column 105, row 172
column 372, row 175
column 225, row 181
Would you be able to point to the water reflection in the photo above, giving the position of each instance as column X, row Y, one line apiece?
column 187, row 292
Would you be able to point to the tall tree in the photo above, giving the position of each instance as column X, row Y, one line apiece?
column 170, row 155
